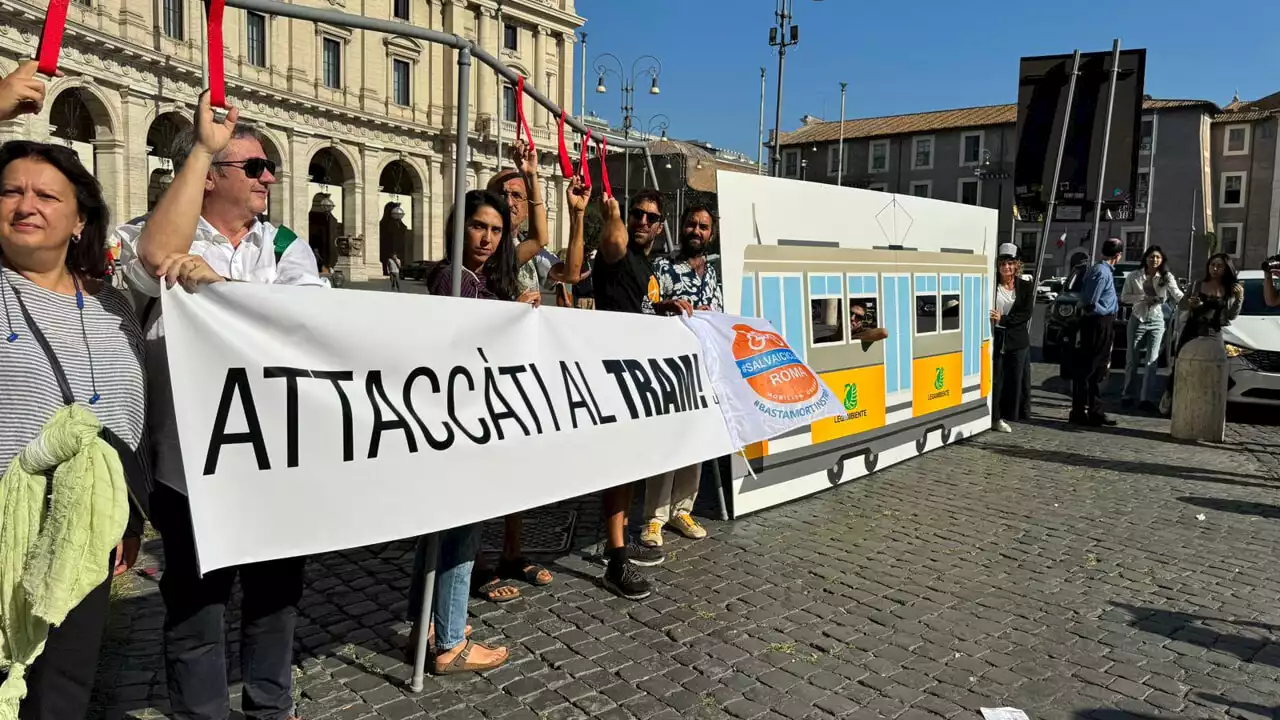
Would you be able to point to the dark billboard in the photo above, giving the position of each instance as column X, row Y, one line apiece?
column 1042, row 105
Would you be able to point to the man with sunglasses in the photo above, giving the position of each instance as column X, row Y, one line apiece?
column 862, row 327
column 624, row 282
column 206, row 229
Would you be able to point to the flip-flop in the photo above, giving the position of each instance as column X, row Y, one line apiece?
column 489, row 590
column 461, row 663
column 526, row 570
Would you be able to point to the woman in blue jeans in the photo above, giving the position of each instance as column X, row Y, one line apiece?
column 488, row 272
column 1148, row 289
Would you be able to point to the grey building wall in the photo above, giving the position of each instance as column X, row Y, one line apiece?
column 1256, row 217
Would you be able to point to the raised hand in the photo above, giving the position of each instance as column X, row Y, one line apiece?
column 578, row 195
column 21, row 92
column 212, row 135
column 525, row 157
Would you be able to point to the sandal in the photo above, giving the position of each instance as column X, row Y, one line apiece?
column 412, row 645
column 461, row 663
column 498, row 590
column 526, row 570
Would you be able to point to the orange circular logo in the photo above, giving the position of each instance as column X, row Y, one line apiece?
column 770, row 367
column 655, row 292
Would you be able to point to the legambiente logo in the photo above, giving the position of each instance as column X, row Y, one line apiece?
column 851, row 397
column 939, row 380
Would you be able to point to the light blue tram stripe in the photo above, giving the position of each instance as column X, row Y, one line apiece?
column 747, row 307
column 794, row 312
column 889, row 321
column 906, row 311
column 771, row 300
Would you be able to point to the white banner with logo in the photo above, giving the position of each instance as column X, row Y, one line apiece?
column 763, row 388
column 312, row 420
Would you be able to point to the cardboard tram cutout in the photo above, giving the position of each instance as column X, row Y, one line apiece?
column 802, row 255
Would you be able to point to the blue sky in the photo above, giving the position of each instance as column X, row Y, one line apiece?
column 936, row 55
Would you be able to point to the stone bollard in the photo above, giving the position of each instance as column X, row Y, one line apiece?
column 1200, row 393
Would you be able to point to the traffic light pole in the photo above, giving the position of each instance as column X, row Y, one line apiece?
column 1057, row 166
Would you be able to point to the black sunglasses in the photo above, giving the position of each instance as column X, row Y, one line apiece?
column 648, row 217
column 253, row 167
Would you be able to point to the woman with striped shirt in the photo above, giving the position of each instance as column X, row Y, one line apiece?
column 69, row 338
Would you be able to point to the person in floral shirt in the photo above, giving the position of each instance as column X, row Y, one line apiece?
column 668, row 498
column 687, row 275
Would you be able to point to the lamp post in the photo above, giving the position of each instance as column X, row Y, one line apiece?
column 782, row 36
column 653, row 67
column 502, row 111
column 582, row 73
column 760, row 134
column 840, row 162
column 659, row 122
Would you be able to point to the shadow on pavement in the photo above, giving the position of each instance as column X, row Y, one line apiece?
column 1252, row 707
column 1194, row 630
column 1239, row 507
column 1178, row 472
column 1107, row 714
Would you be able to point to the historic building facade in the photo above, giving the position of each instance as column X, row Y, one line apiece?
column 360, row 123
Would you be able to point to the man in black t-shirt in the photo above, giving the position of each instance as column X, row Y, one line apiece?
column 624, row 282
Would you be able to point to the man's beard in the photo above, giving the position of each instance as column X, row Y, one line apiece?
column 692, row 246
column 644, row 242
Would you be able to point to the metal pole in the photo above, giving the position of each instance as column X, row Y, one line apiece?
column 502, row 114
column 1057, row 167
column 582, row 88
column 628, row 102
column 1191, row 244
column 460, row 163
column 840, row 151
column 429, row 546
column 1151, row 180
column 760, row 135
column 1106, row 145
column 776, row 158
column 423, row 584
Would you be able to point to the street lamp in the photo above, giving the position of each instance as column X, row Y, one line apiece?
column 782, row 36
column 397, row 211
column 645, row 63
column 659, row 122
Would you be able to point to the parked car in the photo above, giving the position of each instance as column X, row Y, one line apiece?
column 416, row 270
column 1049, row 290
column 1252, row 343
column 1063, row 317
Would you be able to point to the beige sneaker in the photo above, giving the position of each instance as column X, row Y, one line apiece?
column 652, row 535
column 684, row 524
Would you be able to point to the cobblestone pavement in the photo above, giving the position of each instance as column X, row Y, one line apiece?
column 1071, row 573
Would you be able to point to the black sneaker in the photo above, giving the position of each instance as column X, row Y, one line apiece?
column 645, row 556
column 624, row 579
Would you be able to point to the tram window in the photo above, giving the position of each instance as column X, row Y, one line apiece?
column 825, row 324
column 926, row 314
column 862, row 315
column 950, row 312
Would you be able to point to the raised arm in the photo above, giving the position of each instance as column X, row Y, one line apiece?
column 21, row 92
column 539, row 235
column 172, row 225
column 576, row 198
column 613, row 236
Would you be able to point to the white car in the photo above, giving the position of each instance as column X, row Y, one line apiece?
column 1253, row 347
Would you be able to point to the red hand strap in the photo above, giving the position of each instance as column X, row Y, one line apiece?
column 566, row 163
column 604, row 167
column 582, row 166
column 524, row 123
column 55, row 21
column 215, row 49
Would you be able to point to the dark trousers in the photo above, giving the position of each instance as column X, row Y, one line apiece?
column 60, row 681
column 395, row 280
column 1008, row 370
column 1097, row 333
column 1025, row 398
column 195, row 632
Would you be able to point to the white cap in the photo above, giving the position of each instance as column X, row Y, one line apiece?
column 1007, row 250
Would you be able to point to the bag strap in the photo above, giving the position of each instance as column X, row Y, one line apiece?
column 284, row 238
column 59, row 374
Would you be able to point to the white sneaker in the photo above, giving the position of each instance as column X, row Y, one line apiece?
column 1001, row 426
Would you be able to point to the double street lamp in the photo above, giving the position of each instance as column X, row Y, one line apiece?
column 782, row 36
column 659, row 122
column 643, row 65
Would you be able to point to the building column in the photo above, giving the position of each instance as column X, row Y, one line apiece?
column 540, row 73
column 133, row 131
column 568, row 71
column 485, row 79
column 111, row 157
column 298, row 196
column 372, row 215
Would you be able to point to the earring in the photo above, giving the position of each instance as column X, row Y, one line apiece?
column 74, row 238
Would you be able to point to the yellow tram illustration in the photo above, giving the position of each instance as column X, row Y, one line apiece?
column 919, row 269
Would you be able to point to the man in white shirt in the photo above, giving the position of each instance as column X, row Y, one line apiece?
column 206, row 229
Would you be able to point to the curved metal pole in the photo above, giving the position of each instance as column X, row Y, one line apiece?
column 359, row 22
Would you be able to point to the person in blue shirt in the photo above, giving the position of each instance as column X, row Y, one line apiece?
column 1096, row 335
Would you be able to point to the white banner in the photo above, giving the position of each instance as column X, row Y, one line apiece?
column 313, row 420
column 764, row 389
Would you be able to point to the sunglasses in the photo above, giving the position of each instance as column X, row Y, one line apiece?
column 253, row 167
column 647, row 217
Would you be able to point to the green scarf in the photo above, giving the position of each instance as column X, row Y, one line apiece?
column 50, row 559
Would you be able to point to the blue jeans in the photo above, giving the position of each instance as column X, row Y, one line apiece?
column 458, row 548
column 1145, row 336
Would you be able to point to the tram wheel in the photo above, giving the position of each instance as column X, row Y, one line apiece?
column 871, row 460
column 835, row 472
column 922, row 443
